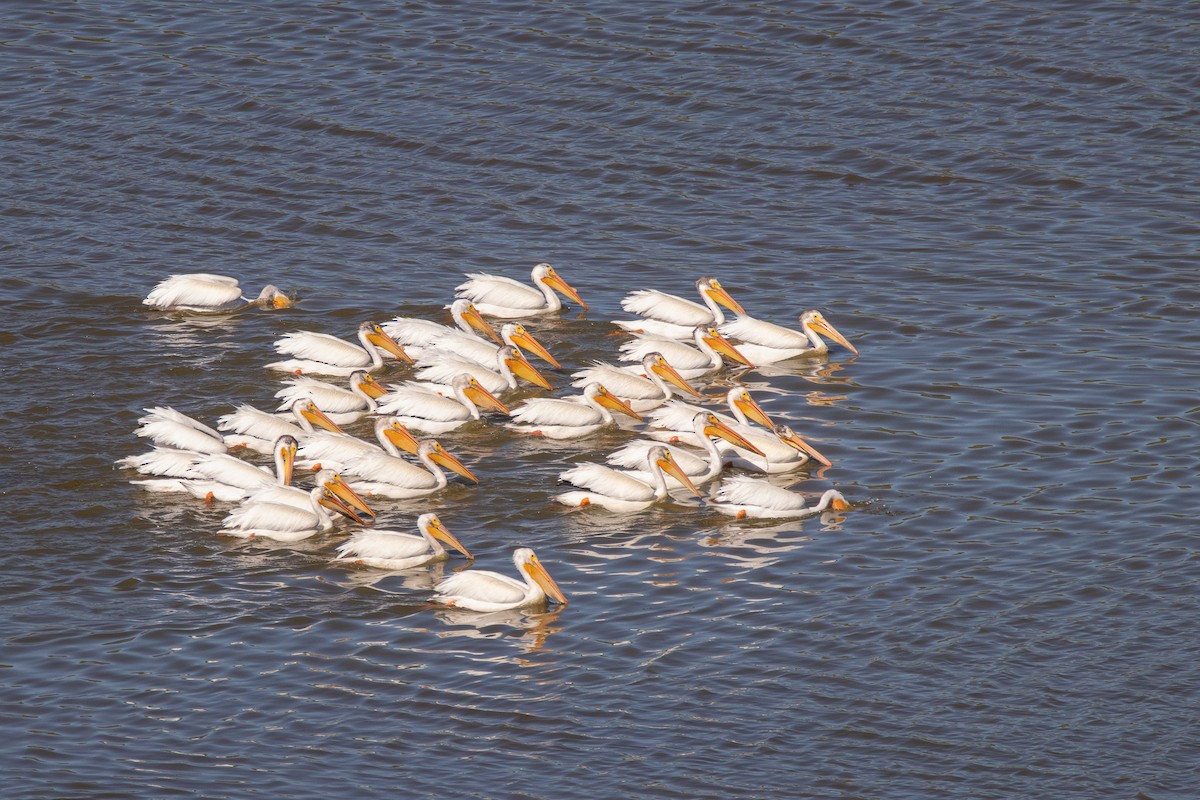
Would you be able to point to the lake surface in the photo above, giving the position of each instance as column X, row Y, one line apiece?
column 995, row 202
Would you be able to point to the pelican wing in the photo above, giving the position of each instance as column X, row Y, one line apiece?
column 633, row 455
column 249, row 420
column 198, row 289
column 414, row 330
column 679, row 355
column 675, row 415
column 553, row 411
column 178, row 431
column 329, row 398
column 167, row 462
column 743, row 490
column 767, row 334
column 324, row 446
column 465, row 346
column 440, row 366
column 382, row 468
column 482, row 585
column 607, row 481
column 271, row 517
column 383, row 544
column 666, row 307
column 224, row 468
column 412, row 400
column 623, row 382
column 322, row 347
column 170, row 414
column 500, row 291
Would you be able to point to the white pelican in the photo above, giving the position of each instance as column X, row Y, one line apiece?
column 329, row 355
column 167, row 427
column 220, row 476
column 324, row 450
column 691, row 362
column 258, row 430
column 442, row 366
column 700, row 468
column 482, row 590
column 570, row 417
column 382, row 475
column 742, row 496
column 384, row 549
column 200, row 291
column 672, row 316
column 643, row 389
column 619, row 491
column 415, row 334
column 341, row 405
column 672, row 422
column 765, row 342
column 299, row 498
column 783, row 450
column 497, row 296
column 283, row 522
column 422, row 407
column 477, row 349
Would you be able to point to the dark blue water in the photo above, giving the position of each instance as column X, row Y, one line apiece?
column 994, row 202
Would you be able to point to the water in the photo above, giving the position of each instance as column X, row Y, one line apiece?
column 994, row 202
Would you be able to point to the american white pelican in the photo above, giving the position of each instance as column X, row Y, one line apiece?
column 343, row 406
column 765, row 342
column 382, row 475
column 643, row 389
column 384, row 549
column 691, row 362
column 674, row 317
column 570, row 417
column 167, row 427
column 742, row 496
column 299, row 498
column 701, row 468
column 442, row 366
column 783, row 450
column 482, row 590
column 477, row 349
column 422, row 406
column 324, row 450
column 415, row 334
column 619, row 491
column 220, row 476
column 200, row 291
column 258, row 430
column 283, row 522
column 329, row 355
column 497, row 296
column 672, row 422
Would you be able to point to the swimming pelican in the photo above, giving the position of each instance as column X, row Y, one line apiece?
column 497, row 296
column 220, row 476
column 570, row 417
column 283, row 522
column 258, row 430
column 619, row 491
column 673, row 317
column 742, row 496
column 477, row 349
column 691, row 362
column 167, row 427
column 765, row 342
column 672, row 421
column 384, row 549
column 329, row 355
column 299, row 498
column 343, row 406
column 700, row 468
column 441, row 366
column 643, row 389
column 200, row 291
column 482, row 590
column 422, row 406
column 324, row 450
column 415, row 334
column 383, row 475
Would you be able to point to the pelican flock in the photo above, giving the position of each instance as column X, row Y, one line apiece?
column 445, row 375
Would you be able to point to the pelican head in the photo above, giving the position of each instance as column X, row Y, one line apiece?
column 430, row 525
column 475, row 393
column 815, row 320
column 657, row 363
column 305, row 408
column 713, row 338
column 661, row 458
column 521, row 367
column 438, row 455
column 515, row 334
column 273, row 297
column 712, row 426
column 348, row 500
column 712, row 287
column 544, row 273
column 398, row 434
column 367, row 384
column 466, row 311
column 788, row 436
column 834, row 501
column 527, row 564
column 610, row 401
column 741, row 399
column 375, row 334
column 285, row 458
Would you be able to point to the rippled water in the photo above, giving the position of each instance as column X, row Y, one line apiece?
column 994, row 202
